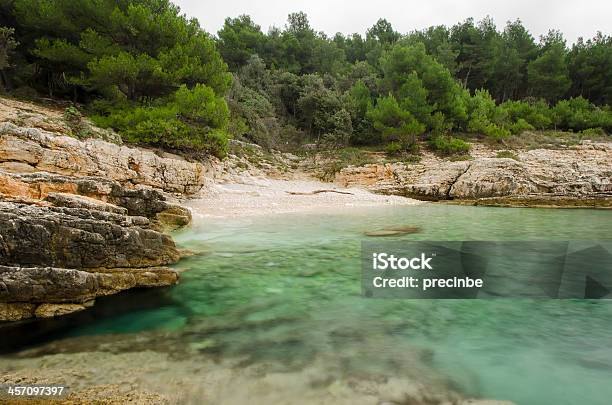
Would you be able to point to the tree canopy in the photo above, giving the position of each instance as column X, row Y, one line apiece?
column 140, row 66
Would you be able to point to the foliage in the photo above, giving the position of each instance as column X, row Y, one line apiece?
column 74, row 119
column 589, row 69
column 449, row 145
column 155, row 76
column 394, row 148
column 394, row 122
column 548, row 75
column 239, row 39
column 7, row 45
column 422, row 84
column 534, row 113
column 158, row 74
column 507, row 155
column 192, row 118
column 578, row 114
column 520, row 126
column 593, row 132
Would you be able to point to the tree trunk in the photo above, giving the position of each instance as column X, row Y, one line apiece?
column 4, row 81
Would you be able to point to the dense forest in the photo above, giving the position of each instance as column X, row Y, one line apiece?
column 157, row 77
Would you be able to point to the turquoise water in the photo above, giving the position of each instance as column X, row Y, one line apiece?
column 287, row 289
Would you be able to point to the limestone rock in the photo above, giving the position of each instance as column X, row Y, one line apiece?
column 55, row 153
column 78, row 201
column 66, row 191
column 79, row 238
column 492, row 178
column 16, row 311
column 581, row 172
column 46, row 284
column 434, row 183
column 44, row 292
column 111, row 281
column 60, row 258
column 82, row 218
column 52, row 310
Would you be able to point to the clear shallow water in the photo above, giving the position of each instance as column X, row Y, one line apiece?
column 287, row 289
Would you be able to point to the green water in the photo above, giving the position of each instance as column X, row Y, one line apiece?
column 287, row 289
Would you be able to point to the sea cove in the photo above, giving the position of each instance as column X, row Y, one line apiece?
column 355, row 205
column 282, row 293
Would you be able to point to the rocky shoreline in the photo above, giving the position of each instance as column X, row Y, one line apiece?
column 84, row 218
column 576, row 177
column 80, row 219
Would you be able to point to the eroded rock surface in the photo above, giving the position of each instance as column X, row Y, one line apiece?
column 584, row 171
column 82, row 218
column 25, row 150
column 96, row 193
column 56, row 260
column 79, row 238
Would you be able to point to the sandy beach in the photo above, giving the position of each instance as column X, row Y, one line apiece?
column 259, row 196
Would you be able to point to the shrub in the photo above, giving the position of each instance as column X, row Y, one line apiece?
column 74, row 120
column 495, row 132
column 481, row 107
column 520, row 126
column 593, row 132
column 449, row 145
column 72, row 116
column 393, row 148
column 192, row 119
column 578, row 114
column 506, row 154
column 394, row 123
column 537, row 114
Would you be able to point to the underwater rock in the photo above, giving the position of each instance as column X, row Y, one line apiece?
column 394, row 231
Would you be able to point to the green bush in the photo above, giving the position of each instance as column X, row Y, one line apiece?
column 395, row 123
column 393, row 148
column 593, row 132
column 578, row 114
column 192, row 119
column 537, row 114
column 449, row 145
column 495, row 132
column 506, row 154
column 520, row 126
column 74, row 120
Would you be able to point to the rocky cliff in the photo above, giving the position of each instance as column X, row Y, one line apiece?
column 82, row 218
column 576, row 176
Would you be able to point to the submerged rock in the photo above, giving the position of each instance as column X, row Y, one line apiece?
column 394, row 231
